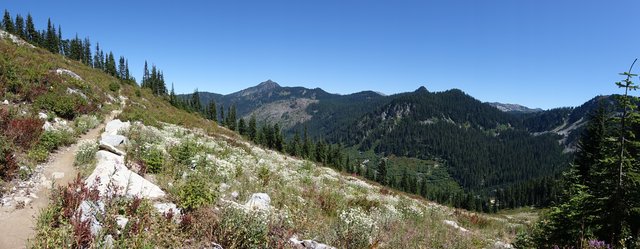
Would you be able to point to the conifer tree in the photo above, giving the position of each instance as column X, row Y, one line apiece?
column 306, row 146
column 252, row 129
column 602, row 198
column 382, row 172
column 242, row 127
column 7, row 23
column 195, row 101
column 32, row 34
column 222, row 116
column 19, row 26
column 212, row 110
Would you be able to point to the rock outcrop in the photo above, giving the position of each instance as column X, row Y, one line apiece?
column 112, row 177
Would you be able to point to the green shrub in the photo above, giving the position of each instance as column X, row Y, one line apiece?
column 38, row 154
column 51, row 140
column 153, row 159
column 86, row 153
column 241, row 228
column 195, row 193
column 114, row 86
column 355, row 229
column 64, row 105
column 184, row 152
column 85, row 123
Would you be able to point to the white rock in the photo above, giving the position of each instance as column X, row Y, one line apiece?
column 89, row 210
column 115, row 125
column 23, row 200
column 224, row 187
column 235, row 194
column 76, row 91
column 216, row 246
column 112, row 177
column 108, row 242
column 113, row 140
column 47, row 126
column 5, row 102
column 110, row 148
column 14, row 39
column 57, row 175
column 62, row 71
column 43, row 116
column 455, row 225
column 167, row 207
column 501, row 245
column 308, row 244
column 122, row 221
column 259, row 201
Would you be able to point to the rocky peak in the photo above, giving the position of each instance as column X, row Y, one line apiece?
column 269, row 84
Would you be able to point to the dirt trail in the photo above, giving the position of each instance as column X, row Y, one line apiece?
column 17, row 225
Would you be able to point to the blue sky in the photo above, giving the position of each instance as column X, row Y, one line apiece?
column 537, row 53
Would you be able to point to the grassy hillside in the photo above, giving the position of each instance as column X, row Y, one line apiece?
column 210, row 172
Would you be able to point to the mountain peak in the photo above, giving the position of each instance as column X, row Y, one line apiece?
column 269, row 84
column 422, row 89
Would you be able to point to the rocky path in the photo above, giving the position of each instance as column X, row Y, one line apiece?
column 17, row 224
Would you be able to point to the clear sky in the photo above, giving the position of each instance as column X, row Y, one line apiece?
column 537, row 53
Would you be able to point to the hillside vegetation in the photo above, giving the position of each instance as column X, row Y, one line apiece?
column 212, row 174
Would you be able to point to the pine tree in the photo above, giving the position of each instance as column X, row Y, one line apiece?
column 222, row 116
column 7, row 23
column 242, row 127
column 122, row 74
column 32, row 34
column 145, row 76
column 212, row 110
column 252, row 129
column 602, row 196
column 195, row 101
column 110, row 66
column 20, row 29
column 172, row 97
column 382, row 172
column 306, row 146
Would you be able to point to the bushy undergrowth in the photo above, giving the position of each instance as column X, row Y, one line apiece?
column 85, row 123
column 194, row 193
column 86, row 153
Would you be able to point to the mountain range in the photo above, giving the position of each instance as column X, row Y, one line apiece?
column 485, row 147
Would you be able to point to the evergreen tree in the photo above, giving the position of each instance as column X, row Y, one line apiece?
column 222, row 116
column 145, row 76
column 32, row 34
column 7, row 23
column 242, row 127
column 122, row 70
column 278, row 140
column 86, row 52
column 172, row 97
column 382, row 172
column 20, row 29
column 212, row 110
column 110, row 66
column 97, row 58
column 306, row 146
column 195, row 101
column 602, row 197
column 252, row 129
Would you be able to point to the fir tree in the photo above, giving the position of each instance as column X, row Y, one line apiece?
column 20, row 29
column 195, row 101
column 212, row 110
column 32, row 34
column 382, row 171
column 242, row 127
column 7, row 23
column 252, row 129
